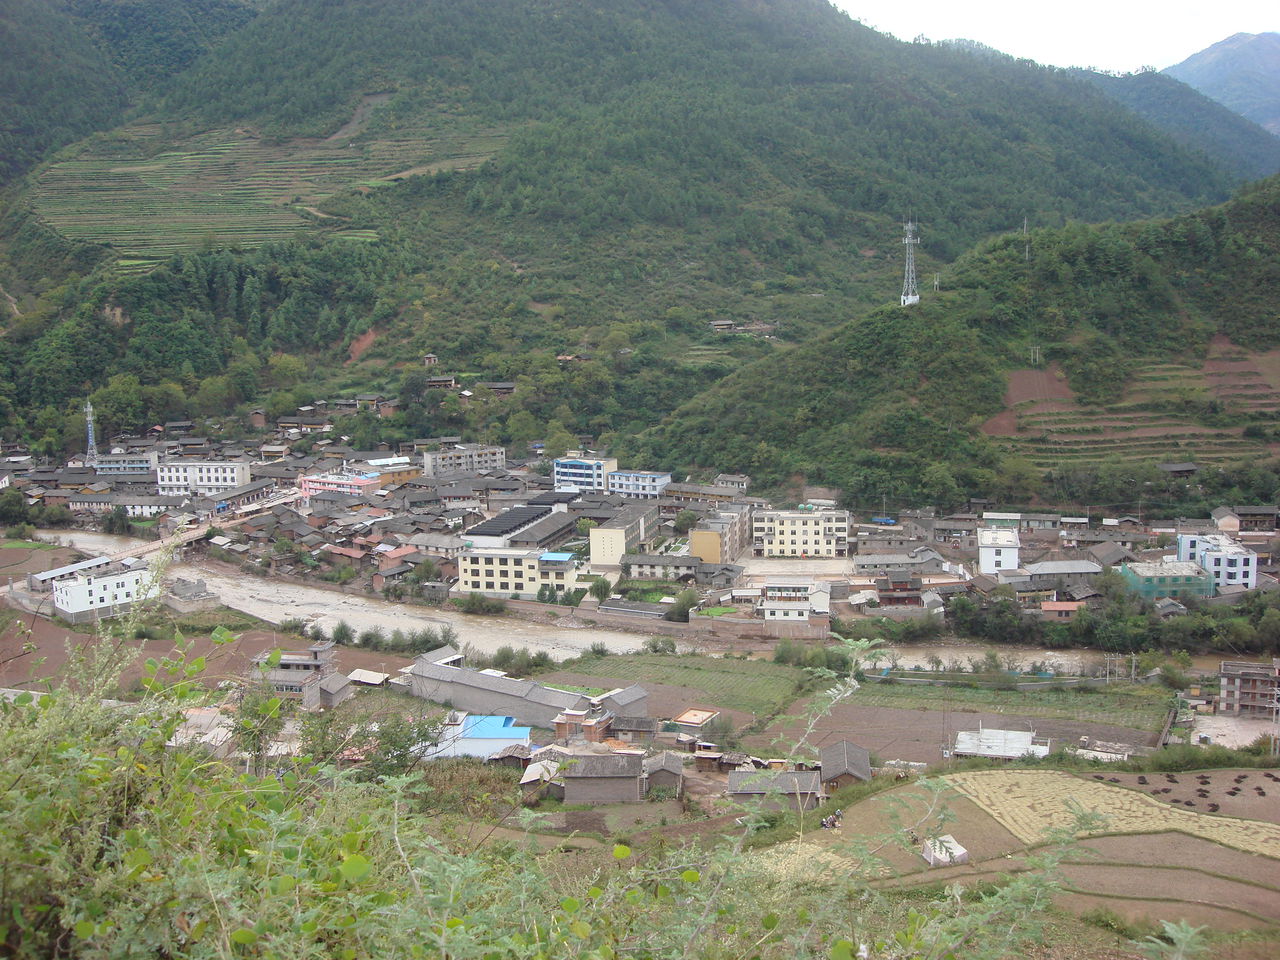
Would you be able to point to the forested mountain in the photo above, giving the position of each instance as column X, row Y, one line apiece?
column 72, row 66
column 668, row 111
column 1242, row 72
column 539, row 178
column 55, row 85
column 149, row 41
column 1195, row 121
column 889, row 403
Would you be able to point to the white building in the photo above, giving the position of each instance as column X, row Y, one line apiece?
column 800, row 533
column 200, row 477
column 477, row 735
column 463, row 458
column 640, row 484
column 1229, row 563
column 582, row 473
column 794, row 599
column 997, row 550
column 103, row 591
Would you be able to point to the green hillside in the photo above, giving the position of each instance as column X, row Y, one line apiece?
column 149, row 41
column 1195, row 121
column 890, row 403
column 503, row 183
column 55, row 85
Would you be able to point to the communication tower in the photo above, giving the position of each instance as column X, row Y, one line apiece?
column 91, row 451
column 910, row 292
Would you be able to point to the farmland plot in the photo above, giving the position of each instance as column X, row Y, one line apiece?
column 226, row 185
column 1034, row 803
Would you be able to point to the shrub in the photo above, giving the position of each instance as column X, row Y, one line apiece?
column 478, row 603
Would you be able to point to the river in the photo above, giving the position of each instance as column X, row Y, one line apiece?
column 274, row 600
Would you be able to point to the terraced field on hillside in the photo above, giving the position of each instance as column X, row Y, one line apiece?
column 1159, row 417
column 1144, row 860
column 124, row 190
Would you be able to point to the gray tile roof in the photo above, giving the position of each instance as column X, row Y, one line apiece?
column 844, row 757
column 606, row 765
column 774, row 781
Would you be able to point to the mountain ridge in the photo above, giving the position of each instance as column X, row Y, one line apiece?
column 1241, row 72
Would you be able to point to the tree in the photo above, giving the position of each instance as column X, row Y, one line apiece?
column 117, row 521
column 686, row 600
column 584, row 526
column 684, row 521
column 259, row 718
column 601, row 589
column 13, row 506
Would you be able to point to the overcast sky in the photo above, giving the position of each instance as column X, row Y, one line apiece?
column 1121, row 35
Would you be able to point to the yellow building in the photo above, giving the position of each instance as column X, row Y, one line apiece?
column 501, row 572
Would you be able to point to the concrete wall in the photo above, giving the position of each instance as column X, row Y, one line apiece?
column 602, row 790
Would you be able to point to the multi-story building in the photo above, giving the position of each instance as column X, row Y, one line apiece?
column 1248, row 689
column 112, row 464
column 582, row 473
column 638, row 484
column 200, row 477
column 351, row 484
column 504, row 572
column 621, row 534
column 463, row 458
column 800, row 533
column 998, row 550
column 1229, row 563
column 724, row 535
column 1175, row 578
column 103, row 591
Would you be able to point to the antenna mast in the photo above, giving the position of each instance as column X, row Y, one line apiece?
column 910, row 292
column 91, row 451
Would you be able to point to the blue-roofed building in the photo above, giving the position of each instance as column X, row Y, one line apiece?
column 477, row 735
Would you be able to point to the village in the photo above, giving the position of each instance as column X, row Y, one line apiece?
column 581, row 542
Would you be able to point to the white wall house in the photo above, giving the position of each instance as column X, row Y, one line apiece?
column 200, row 477
column 1229, row 563
column 103, row 592
column 640, row 484
column 997, row 550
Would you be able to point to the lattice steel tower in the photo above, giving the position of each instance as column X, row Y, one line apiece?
column 910, row 292
column 91, row 452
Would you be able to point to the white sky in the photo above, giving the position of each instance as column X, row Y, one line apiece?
column 1120, row 35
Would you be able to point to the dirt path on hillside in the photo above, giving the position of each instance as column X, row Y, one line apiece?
column 7, row 298
column 356, row 124
column 360, row 344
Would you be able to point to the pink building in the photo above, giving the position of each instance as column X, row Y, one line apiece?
column 351, row 484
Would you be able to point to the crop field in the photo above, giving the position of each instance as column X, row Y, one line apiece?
column 748, row 686
column 227, row 186
column 1032, row 804
column 1136, row 707
column 1148, row 861
column 1155, row 419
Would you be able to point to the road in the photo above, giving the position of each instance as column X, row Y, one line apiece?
column 273, row 601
